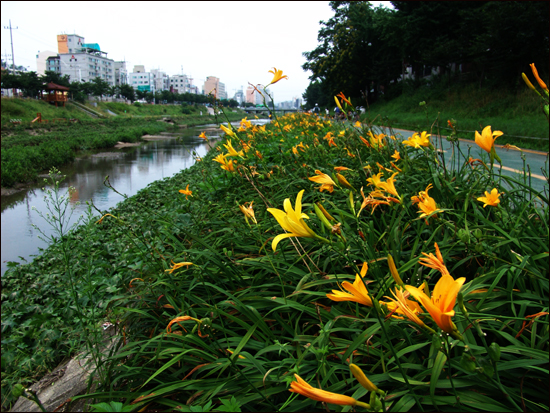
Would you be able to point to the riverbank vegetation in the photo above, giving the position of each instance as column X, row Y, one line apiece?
column 301, row 255
column 29, row 149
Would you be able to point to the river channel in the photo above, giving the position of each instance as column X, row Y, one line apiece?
column 130, row 169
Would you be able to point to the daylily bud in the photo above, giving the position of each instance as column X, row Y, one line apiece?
column 343, row 181
column 351, row 203
column 363, row 380
column 394, row 273
column 494, row 352
column 527, row 82
column 324, row 211
column 467, row 362
column 322, row 216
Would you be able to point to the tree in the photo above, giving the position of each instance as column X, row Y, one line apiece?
column 128, row 92
column 354, row 56
column 50, row 76
column 315, row 94
column 100, row 87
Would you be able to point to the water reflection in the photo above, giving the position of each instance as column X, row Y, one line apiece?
column 130, row 169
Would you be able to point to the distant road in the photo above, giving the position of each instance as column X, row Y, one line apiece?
column 511, row 158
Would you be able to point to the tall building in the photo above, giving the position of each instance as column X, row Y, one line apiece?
column 250, row 97
column 180, row 84
column 212, row 83
column 81, row 61
column 239, row 96
column 139, row 79
column 161, row 80
column 121, row 74
column 41, row 60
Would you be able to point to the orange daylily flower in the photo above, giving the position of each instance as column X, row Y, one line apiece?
column 203, row 136
column 325, row 180
column 539, row 80
column 187, row 192
column 396, row 156
column 426, row 203
column 302, row 387
column 357, row 291
column 440, row 305
column 277, row 75
column 248, row 212
column 436, row 262
column 487, row 138
column 178, row 319
column 402, row 306
column 490, row 198
column 177, row 265
column 387, row 186
column 344, row 99
column 341, row 168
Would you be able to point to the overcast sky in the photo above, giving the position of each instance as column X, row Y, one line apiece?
column 238, row 42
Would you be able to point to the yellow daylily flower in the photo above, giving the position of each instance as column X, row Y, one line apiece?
column 231, row 150
column 426, row 203
column 387, row 186
column 490, row 198
column 227, row 129
column 248, row 212
column 440, row 305
column 292, row 220
column 246, row 123
column 487, row 138
column 187, row 192
column 302, row 387
column 325, row 180
column 229, row 165
column 396, row 156
column 220, row 158
column 357, row 291
column 277, row 75
column 416, row 141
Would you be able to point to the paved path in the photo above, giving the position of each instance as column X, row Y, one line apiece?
column 511, row 158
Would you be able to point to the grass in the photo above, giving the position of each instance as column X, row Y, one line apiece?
column 516, row 114
column 29, row 149
column 211, row 317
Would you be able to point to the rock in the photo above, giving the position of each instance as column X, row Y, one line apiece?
column 68, row 380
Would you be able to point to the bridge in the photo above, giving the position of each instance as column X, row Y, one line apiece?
column 264, row 109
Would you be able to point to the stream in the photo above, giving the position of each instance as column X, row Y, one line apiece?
column 130, row 169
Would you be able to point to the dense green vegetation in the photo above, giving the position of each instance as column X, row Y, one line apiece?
column 211, row 317
column 516, row 114
column 364, row 51
column 29, row 149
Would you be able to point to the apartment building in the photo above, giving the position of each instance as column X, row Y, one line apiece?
column 81, row 61
column 179, row 84
column 212, row 83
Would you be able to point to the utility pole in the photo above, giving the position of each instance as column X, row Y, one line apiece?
column 11, row 39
